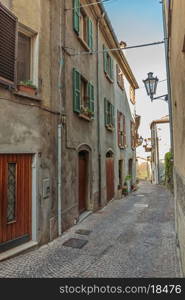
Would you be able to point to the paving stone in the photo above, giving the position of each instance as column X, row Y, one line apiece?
column 127, row 239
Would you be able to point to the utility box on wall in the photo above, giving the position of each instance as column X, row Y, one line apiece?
column 46, row 188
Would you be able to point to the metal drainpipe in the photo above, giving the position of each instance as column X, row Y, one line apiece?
column 59, row 179
column 98, row 109
column 166, row 40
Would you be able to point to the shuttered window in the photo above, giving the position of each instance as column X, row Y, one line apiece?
column 109, row 114
column 91, row 97
column 76, row 16
column 108, row 64
column 132, row 127
column 90, row 33
column 121, row 128
column 8, row 38
column 83, row 95
column 76, row 90
column 23, row 58
column 120, row 79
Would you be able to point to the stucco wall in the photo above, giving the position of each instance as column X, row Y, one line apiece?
column 26, row 127
column 177, row 69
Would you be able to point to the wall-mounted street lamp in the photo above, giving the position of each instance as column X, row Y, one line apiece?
column 151, row 83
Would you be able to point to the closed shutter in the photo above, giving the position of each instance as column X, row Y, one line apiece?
column 111, row 68
column 124, row 131
column 106, row 113
column 90, row 33
column 112, row 115
column 119, row 128
column 76, row 15
column 105, row 59
column 76, row 90
column 8, row 41
column 91, row 97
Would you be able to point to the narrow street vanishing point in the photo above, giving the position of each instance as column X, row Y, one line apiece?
column 130, row 237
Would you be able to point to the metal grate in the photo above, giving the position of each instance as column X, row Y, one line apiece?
column 75, row 243
column 11, row 192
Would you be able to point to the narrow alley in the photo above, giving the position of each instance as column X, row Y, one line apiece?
column 131, row 237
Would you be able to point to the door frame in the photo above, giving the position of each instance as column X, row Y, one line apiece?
column 112, row 155
column 35, row 188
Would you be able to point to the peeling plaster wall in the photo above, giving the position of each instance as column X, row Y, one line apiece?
column 24, row 126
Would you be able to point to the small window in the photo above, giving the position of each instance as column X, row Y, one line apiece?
column 27, row 55
column 109, row 115
column 121, row 130
column 83, row 95
column 120, row 79
column 108, row 64
column 132, row 95
column 11, row 193
column 24, row 58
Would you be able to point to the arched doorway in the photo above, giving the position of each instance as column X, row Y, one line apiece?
column 83, row 162
column 110, row 175
column 130, row 168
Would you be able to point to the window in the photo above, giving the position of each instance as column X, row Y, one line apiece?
column 8, row 38
column 109, row 115
column 132, row 95
column 83, row 95
column 133, row 140
column 82, row 24
column 121, row 130
column 11, row 193
column 108, row 64
column 24, row 57
column 120, row 79
column 27, row 55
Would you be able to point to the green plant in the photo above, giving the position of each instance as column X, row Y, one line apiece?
column 169, row 170
column 128, row 178
column 28, row 83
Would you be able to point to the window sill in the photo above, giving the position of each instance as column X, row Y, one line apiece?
column 25, row 95
column 83, row 116
column 122, row 147
column 110, row 128
column 84, row 44
column 108, row 77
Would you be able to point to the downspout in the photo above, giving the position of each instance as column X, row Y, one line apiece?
column 59, row 179
column 166, row 42
column 98, row 111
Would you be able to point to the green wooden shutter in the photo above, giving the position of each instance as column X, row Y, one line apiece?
column 91, row 97
column 76, row 90
column 105, row 59
column 106, row 111
column 112, row 115
column 76, row 15
column 111, row 68
column 90, row 33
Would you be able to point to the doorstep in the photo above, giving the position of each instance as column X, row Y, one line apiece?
column 83, row 216
column 17, row 250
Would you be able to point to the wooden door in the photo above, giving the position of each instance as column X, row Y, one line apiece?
column 83, row 164
column 15, row 199
column 110, row 177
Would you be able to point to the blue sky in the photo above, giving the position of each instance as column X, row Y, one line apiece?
column 139, row 22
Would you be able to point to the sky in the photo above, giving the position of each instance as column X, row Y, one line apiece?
column 139, row 22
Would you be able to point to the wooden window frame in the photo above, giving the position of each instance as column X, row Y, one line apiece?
column 34, row 51
column 109, row 115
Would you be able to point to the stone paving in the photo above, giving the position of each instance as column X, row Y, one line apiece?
column 132, row 237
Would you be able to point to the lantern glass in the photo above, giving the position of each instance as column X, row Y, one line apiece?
column 151, row 84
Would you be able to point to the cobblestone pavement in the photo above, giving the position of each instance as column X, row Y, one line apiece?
column 132, row 237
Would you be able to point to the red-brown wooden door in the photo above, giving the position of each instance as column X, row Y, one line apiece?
column 15, row 199
column 110, row 177
column 83, row 164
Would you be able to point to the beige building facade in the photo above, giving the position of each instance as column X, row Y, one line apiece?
column 175, row 12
